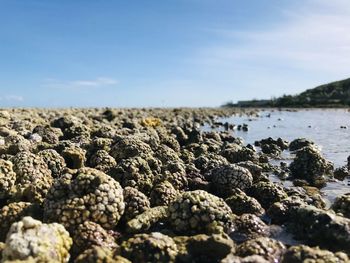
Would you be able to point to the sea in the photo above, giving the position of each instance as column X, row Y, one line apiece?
column 328, row 128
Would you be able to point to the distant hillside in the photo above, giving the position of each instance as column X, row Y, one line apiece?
column 334, row 94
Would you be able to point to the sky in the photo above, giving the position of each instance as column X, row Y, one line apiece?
column 168, row 53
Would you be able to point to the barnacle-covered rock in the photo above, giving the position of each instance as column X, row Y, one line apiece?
column 255, row 169
column 197, row 149
column 153, row 247
column 16, row 143
column 101, row 160
column 88, row 194
column 135, row 172
column 196, row 180
column 268, row 248
column 54, row 161
column 33, row 178
column 98, row 143
column 320, row 228
column 236, row 153
column 43, row 242
column 135, row 203
column 14, row 212
column 165, row 154
column 279, row 212
column 163, row 193
column 240, row 204
column 311, row 166
column 148, row 219
column 7, row 179
column 174, row 173
column 299, row 143
column 180, row 135
column 342, row 205
column 98, row 254
column 130, row 146
column 267, row 193
column 205, row 163
column 303, row 254
column 204, row 249
column 48, row 134
column 65, row 122
column 74, row 156
column 341, row 173
column 76, row 130
column 168, row 140
column 89, row 234
column 248, row 259
column 103, row 131
column 248, row 226
column 228, row 177
column 197, row 212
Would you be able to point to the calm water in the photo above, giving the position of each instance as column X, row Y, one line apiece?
column 321, row 126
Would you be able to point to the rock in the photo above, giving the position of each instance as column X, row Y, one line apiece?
column 267, row 193
column 153, row 247
column 320, row 228
column 228, row 177
column 197, row 212
column 86, row 194
column 302, row 253
column 148, row 219
column 204, row 249
column 268, row 248
column 342, row 205
column 29, row 238
column 311, row 166
column 299, row 143
column 240, row 204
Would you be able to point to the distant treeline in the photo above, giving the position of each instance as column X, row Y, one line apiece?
column 335, row 94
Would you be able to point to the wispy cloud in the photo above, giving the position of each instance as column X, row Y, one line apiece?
column 313, row 37
column 79, row 84
column 9, row 98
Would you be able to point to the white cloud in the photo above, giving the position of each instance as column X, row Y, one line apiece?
column 77, row 84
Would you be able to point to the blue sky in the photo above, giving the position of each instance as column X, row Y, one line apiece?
column 61, row 53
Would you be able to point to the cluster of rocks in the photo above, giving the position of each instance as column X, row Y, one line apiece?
column 150, row 185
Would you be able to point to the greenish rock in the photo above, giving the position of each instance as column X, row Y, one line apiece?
column 309, row 165
column 240, row 204
column 29, row 238
column 342, row 205
column 198, row 212
column 267, row 193
column 303, row 254
column 153, row 247
column 85, row 195
column 320, row 228
column 268, row 248
column 147, row 219
column 204, row 248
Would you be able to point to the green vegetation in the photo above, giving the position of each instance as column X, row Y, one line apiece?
column 334, row 94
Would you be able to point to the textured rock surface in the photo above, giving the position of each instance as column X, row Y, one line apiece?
column 199, row 212
column 43, row 242
column 85, row 195
column 153, row 247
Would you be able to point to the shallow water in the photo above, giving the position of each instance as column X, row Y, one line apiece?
column 323, row 126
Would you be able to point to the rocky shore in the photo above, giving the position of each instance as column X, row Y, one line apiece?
column 151, row 185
